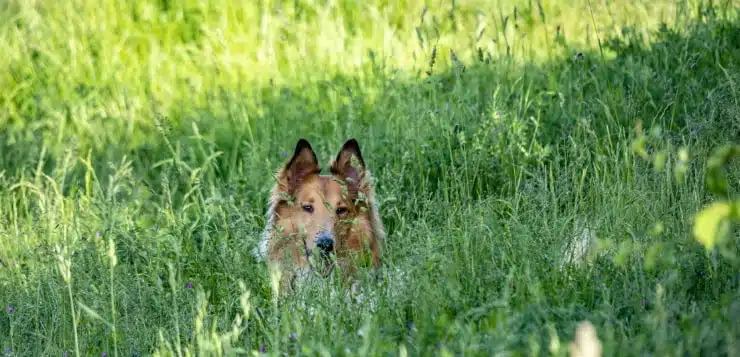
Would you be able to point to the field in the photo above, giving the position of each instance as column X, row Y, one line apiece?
column 138, row 141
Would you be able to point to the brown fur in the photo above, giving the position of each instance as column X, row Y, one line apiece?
column 304, row 203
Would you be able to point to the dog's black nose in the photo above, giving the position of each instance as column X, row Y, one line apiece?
column 325, row 242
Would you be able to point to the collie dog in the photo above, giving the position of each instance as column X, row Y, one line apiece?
column 317, row 223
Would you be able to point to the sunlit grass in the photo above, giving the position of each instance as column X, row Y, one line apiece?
column 125, row 60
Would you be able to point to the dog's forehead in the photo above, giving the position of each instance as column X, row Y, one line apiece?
column 332, row 188
column 326, row 187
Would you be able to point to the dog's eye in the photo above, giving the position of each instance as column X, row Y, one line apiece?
column 341, row 210
column 308, row 208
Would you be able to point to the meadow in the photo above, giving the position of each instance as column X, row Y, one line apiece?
column 138, row 141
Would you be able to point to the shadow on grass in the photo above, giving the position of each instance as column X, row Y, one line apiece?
column 489, row 140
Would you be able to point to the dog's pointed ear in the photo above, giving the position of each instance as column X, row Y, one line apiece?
column 302, row 164
column 349, row 162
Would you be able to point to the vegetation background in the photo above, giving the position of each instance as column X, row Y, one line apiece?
column 138, row 139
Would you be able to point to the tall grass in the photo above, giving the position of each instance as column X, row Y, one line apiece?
column 138, row 141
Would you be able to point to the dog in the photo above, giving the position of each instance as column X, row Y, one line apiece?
column 317, row 223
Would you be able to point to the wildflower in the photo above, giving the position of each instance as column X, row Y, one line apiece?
column 293, row 336
column 283, row 153
column 190, row 285
column 10, row 309
column 97, row 234
column 104, row 354
column 586, row 343
column 263, row 349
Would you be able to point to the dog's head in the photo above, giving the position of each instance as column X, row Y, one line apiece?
column 325, row 215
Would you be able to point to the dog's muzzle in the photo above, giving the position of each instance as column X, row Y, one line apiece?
column 325, row 245
column 325, row 242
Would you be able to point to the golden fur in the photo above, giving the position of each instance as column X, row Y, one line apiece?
column 304, row 204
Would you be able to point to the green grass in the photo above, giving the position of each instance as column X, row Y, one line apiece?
column 156, row 126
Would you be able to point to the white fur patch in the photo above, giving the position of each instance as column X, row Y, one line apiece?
column 361, row 296
column 260, row 252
